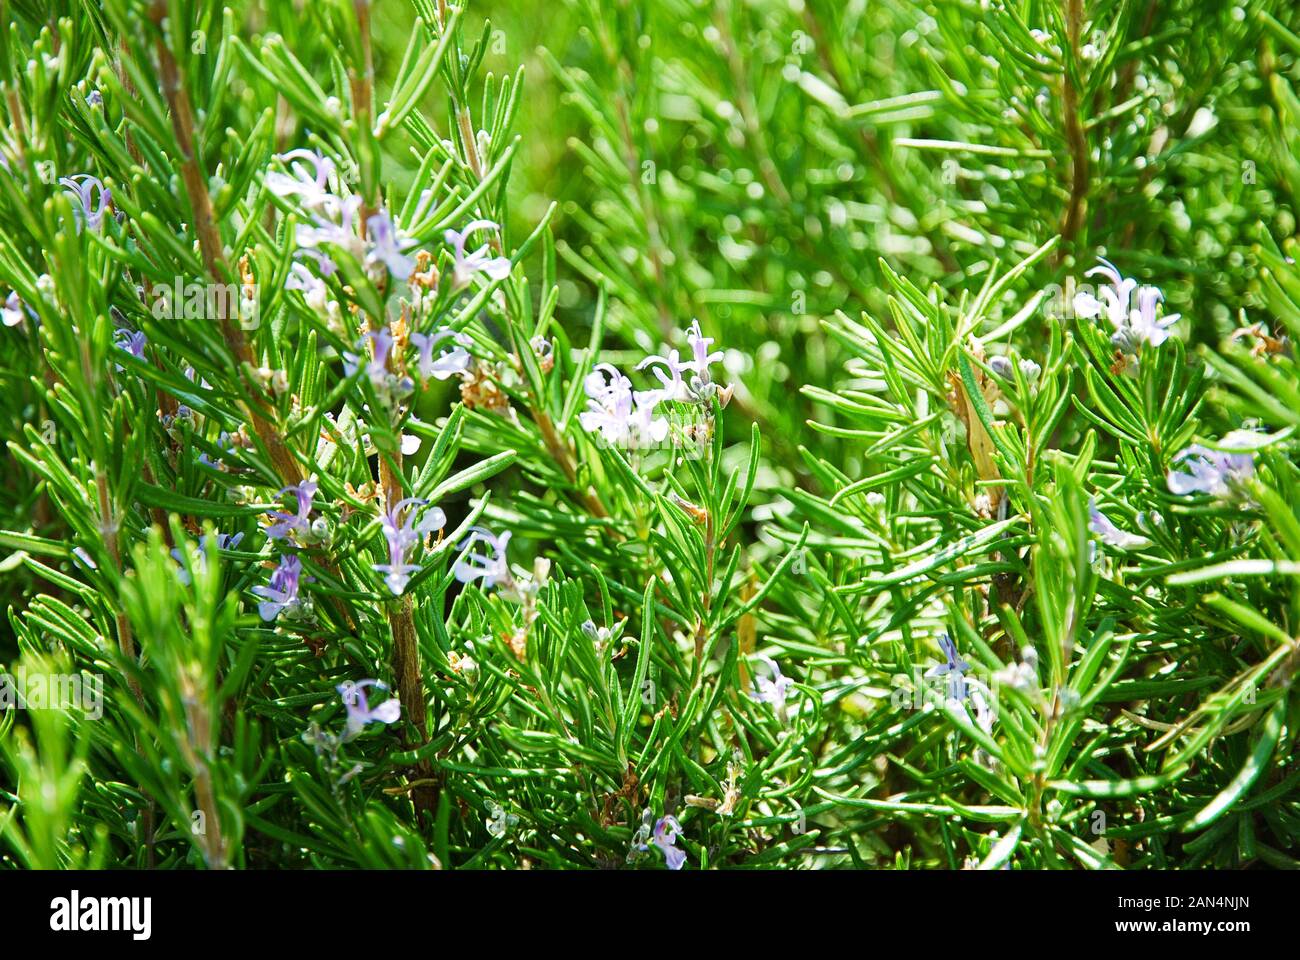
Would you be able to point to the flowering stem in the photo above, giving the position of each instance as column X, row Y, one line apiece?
column 406, row 647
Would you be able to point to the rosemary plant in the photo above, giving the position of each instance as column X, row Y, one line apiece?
column 773, row 434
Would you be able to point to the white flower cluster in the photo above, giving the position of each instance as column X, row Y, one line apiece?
column 629, row 418
column 1135, row 325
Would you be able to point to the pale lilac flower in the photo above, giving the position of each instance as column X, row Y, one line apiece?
column 309, row 185
column 336, row 226
column 701, row 359
column 1110, row 534
column 491, row 566
column 359, row 710
column 609, row 402
column 1214, row 472
column 466, row 265
column 389, row 386
column 619, row 414
column 1143, row 325
column 772, row 689
column 312, row 287
column 446, row 362
column 377, row 365
column 1114, row 302
column 94, row 99
column 281, row 595
column 386, row 246
column 666, row 832
column 402, row 534
column 92, row 199
column 14, row 310
column 668, row 369
column 1134, row 325
column 304, row 493
column 647, row 429
column 606, row 380
column 955, row 669
column 324, row 265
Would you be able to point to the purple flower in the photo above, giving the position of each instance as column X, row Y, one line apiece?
column 1110, row 534
column 466, row 265
column 132, row 342
column 667, row 830
column 390, row 387
column 492, row 567
column 447, row 362
column 304, row 493
column 402, row 534
column 377, row 366
column 385, row 246
column 92, row 199
column 282, row 594
column 1214, row 472
column 772, row 689
column 955, row 669
column 359, row 710
column 325, row 266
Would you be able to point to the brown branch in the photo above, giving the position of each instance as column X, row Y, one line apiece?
column 561, row 454
column 198, row 749
column 214, row 258
column 1078, row 144
column 406, row 651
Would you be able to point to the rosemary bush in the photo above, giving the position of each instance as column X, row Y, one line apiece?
column 773, row 434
